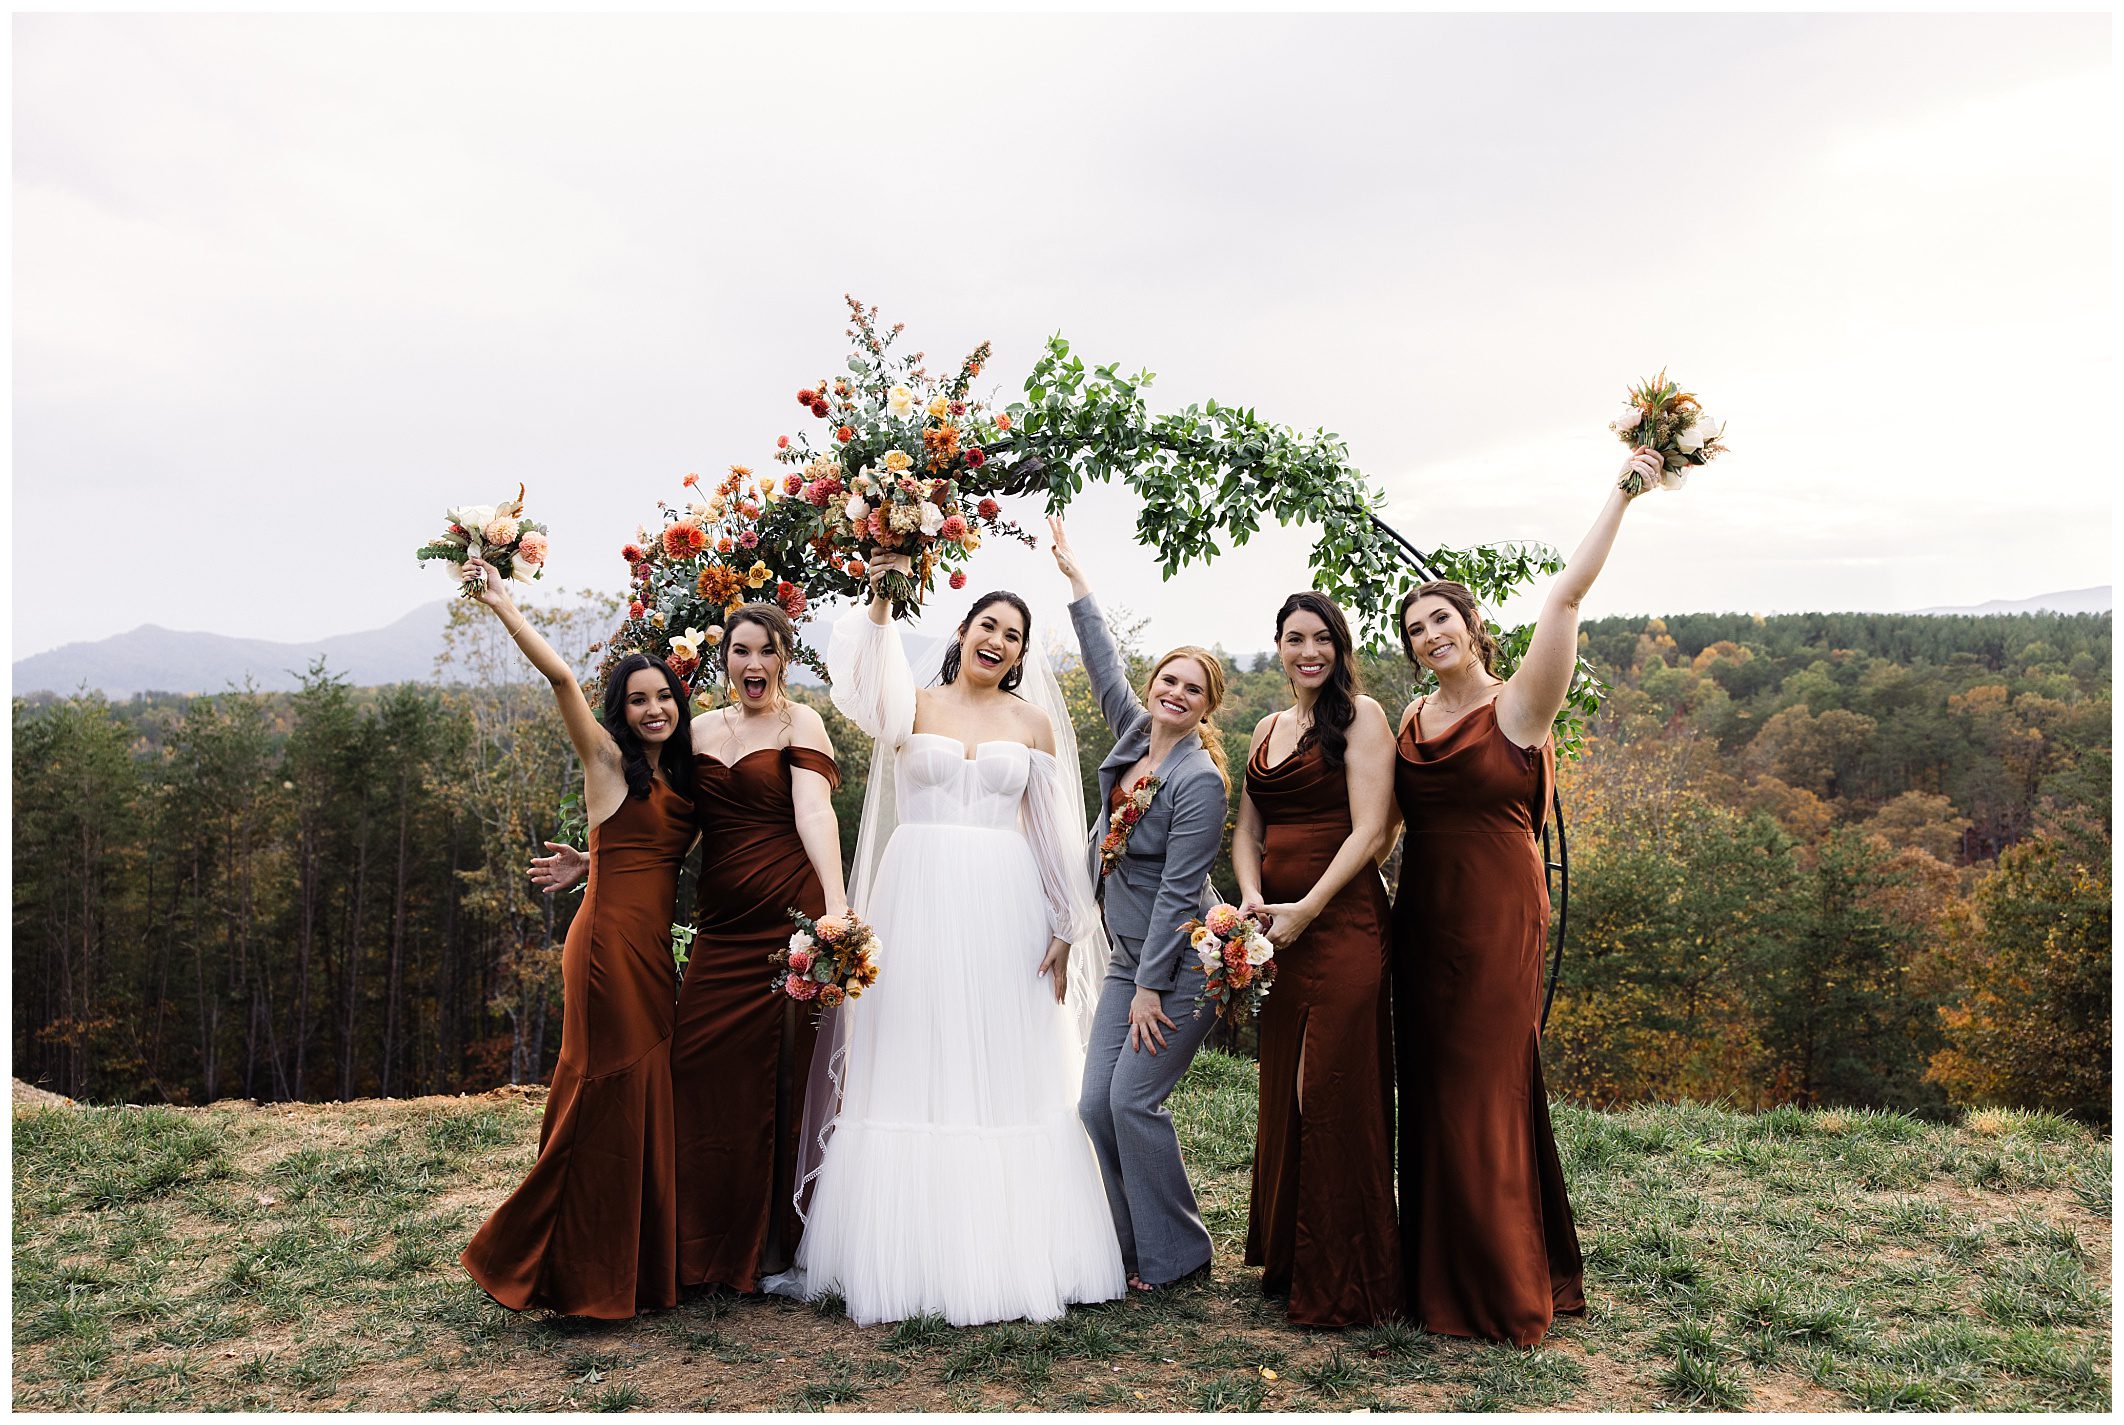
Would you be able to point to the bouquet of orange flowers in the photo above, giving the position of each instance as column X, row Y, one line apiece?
column 827, row 961
column 499, row 534
column 1662, row 415
column 706, row 558
column 900, row 472
column 1238, row 963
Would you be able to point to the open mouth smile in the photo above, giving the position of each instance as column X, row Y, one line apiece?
column 755, row 687
column 988, row 659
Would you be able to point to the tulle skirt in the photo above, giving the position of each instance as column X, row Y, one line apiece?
column 957, row 1180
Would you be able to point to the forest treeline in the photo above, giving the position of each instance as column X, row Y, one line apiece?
column 1821, row 859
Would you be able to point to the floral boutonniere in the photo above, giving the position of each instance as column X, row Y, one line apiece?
column 1124, row 822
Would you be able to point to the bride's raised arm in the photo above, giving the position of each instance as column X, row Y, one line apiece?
column 872, row 684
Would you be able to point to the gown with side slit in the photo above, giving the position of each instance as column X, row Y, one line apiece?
column 1321, row 1224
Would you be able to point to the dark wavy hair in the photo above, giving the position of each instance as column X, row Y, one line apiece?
column 1337, row 707
column 1016, row 675
column 781, row 633
column 675, row 759
column 1463, row 602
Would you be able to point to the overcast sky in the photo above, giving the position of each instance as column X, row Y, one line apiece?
column 286, row 286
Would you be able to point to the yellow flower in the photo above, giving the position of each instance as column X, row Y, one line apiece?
column 972, row 540
column 939, row 407
column 713, row 636
column 897, row 460
column 657, row 618
column 758, row 574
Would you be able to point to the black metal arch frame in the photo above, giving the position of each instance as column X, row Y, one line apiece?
column 1556, row 851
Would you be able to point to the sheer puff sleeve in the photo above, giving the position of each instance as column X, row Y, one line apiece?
column 1057, row 852
column 872, row 685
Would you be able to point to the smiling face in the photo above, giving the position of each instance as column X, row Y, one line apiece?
column 1179, row 695
column 652, row 711
column 1436, row 636
column 991, row 644
column 1306, row 648
column 756, row 665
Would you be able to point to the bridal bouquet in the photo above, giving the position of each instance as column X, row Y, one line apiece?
column 1237, row 961
column 499, row 534
column 706, row 557
column 899, row 470
column 827, row 961
column 1662, row 415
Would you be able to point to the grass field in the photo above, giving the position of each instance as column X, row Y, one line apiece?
column 305, row 1257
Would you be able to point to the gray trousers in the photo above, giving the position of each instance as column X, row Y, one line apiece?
column 1123, row 1109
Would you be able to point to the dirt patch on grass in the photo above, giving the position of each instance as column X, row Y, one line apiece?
column 29, row 1096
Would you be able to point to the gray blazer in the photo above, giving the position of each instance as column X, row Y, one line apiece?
column 1163, row 879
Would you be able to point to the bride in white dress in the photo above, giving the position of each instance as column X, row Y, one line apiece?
column 947, row 1169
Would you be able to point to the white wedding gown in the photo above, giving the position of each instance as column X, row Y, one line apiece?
column 955, row 1179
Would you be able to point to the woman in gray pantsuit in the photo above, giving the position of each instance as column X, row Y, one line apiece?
column 1151, row 883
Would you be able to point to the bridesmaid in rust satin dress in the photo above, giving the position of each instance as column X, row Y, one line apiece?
column 593, row 1230
column 1489, row 1243
column 764, row 775
column 1316, row 805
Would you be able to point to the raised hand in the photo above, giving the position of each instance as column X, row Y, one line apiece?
column 485, row 584
column 561, row 870
column 1066, row 559
column 1645, row 463
column 881, row 597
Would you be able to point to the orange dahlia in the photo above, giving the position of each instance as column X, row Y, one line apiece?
column 684, row 539
column 718, row 584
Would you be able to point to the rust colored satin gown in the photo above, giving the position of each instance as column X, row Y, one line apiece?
column 742, row 1053
column 1489, row 1246
column 593, row 1231
column 1321, row 1220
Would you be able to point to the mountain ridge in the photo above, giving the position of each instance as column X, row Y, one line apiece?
column 153, row 659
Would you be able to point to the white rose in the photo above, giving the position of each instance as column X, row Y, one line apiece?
column 1693, row 438
column 801, row 941
column 699, row 510
column 932, row 518
column 1258, row 949
column 1627, row 421
column 687, row 644
column 473, row 517
column 1672, row 479
column 857, row 508
column 1210, row 955
column 900, row 401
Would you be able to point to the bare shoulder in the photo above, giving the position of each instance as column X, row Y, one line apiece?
column 1037, row 728
column 1370, row 716
column 808, row 729
column 1262, row 725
